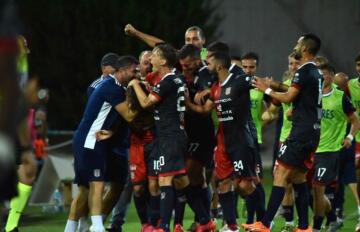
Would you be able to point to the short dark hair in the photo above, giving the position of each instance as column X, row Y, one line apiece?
column 125, row 62
column 238, row 58
column 218, row 46
column 251, row 56
column 109, row 59
column 328, row 67
column 357, row 58
column 313, row 43
column 189, row 50
column 222, row 58
column 196, row 28
column 169, row 53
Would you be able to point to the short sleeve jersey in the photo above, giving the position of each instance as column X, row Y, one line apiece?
column 336, row 107
column 232, row 101
column 100, row 112
column 94, row 84
column 169, row 112
column 308, row 80
column 197, row 123
column 354, row 94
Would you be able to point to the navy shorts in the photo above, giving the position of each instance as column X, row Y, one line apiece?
column 326, row 166
column 89, row 164
column 171, row 152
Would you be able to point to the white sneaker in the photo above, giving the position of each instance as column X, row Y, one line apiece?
column 96, row 229
column 226, row 229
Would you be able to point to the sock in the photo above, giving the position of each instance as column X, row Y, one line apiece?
column 277, row 195
column 260, row 206
column 206, row 198
column 330, row 194
column 154, row 205
column 167, row 200
column 17, row 205
column 236, row 205
column 193, row 196
column 214, row 213
column 97, row 222
column 141, row 208
column 71, row 226
column 227, row 201
column 318, row 222
column 83, row 226
column 359, row 210
column 251, row 202
column 288, row 213
column 180, row 203
column 302, row 203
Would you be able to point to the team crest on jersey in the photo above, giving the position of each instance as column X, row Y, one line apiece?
column 228, row 91
column 97, row 172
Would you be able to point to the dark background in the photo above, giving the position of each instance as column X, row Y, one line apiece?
column 67, row 39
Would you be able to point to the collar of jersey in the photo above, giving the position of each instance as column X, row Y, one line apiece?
column 227, row 79
column 231, row 67
column 168, row 74
column 116, row 81
column 329, row 93
column 310, row 62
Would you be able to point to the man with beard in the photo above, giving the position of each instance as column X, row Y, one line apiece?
column 294, row 155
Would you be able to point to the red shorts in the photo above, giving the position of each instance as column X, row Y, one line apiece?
column 137, row 160
column 240, row 164
column 357, row 155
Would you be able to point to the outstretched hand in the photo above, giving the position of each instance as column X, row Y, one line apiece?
column 262, row 83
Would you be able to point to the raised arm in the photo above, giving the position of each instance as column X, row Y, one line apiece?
column 148, row 39
column 264, row 84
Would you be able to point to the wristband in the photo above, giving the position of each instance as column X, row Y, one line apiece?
column 350, row 137
column 268, row 91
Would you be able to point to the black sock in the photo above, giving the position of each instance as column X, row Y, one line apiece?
column 206, row 198
column 251, row 202
column 302, row 203
column 330, row 194
column 214, row 213
column 196, row 204
column 141, row 207
column 236, row 205
column 277, row 195
column 318, row 222
column 227, row 201
column 167, row 199
column 288, row 213
column 180, row 203
column 260, row 206
column 154, row 205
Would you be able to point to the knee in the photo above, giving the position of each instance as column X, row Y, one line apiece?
column 181, row 182
column 246, row 187
column 154, row 188
column 138, row 190
column 225, row 186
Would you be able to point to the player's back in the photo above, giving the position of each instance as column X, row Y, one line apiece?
column 307, row 104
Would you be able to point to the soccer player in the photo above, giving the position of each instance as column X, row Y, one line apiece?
column 305, row 94
column 199, row 128
column 193, row 35
column 271, row 114
column 341, row 80
column 255, row 202
column 27, row 168
column 353, row 91
column 168, row 99
column 235, row 150
column 336, row 112
column 103, row 108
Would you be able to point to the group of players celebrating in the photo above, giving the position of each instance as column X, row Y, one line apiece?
column 195, row 117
